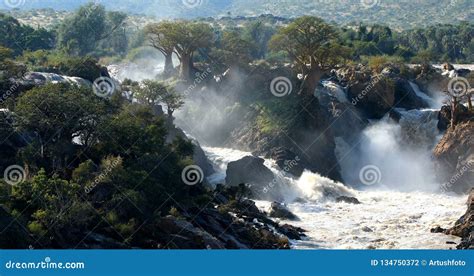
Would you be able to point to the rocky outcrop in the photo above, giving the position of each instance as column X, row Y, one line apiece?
column 345, row 120
column 377, row 94
column 455, row 158
column 405, row 95
column 278, row 210
column 348, row 199
column 248, row 170
column 464, row 227
column 444, row 116
column 430, row 79
column 237, row 224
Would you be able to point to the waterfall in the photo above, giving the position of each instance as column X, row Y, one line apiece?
column 310, row 186
column 385, row 219
column 399, row 153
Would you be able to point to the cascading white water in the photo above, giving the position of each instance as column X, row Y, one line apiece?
column 385, row 219
column 399, row 152
column 398, row 212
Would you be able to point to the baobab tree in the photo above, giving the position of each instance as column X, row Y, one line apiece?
column 309, row 42
column 184, row 37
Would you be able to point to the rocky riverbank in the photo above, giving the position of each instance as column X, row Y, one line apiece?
column 464, row 226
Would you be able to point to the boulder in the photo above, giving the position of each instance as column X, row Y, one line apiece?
column 249, row 170
column 278, row 210
column 292, row 232
column 348, row 199
column 438, row 229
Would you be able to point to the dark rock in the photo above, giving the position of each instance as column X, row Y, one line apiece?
column 249, row 170
column 367, row 229
column 288, row 161
column 406, row 97
column 375, row 96
column 464, row 226
column 300, row 200
column 187, row 235
column 454, row 156
column 104, row 72
column 444, row 116
column 438, row 229
column 348, row 199
column 278, row 210
column 292, row 232
column 395, row 115
column 463, row 72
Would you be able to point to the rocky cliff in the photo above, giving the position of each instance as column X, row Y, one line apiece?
column 455, row 158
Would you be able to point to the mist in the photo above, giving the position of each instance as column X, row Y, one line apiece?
column 388, row 158
column 146, row 64
column 212, row 111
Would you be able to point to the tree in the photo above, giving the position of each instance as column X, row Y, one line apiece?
column 155, row 33
column 186, row 37
column 234, row 50
column 81, row 33
column 303, row 40
column 173, row 101
column 19, row 37
column 150, row 92
column 56, row 115
column 260, row 34
column 153, row 92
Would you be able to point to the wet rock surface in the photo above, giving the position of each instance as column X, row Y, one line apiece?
column 464, row 227
column 348, row 199
column 455, row 158
column 278, row 210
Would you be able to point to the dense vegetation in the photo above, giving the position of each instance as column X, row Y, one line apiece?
column 108, row 164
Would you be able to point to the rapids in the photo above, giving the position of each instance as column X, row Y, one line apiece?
column 387, row 218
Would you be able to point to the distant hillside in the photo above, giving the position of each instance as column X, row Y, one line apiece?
column 401, row 14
